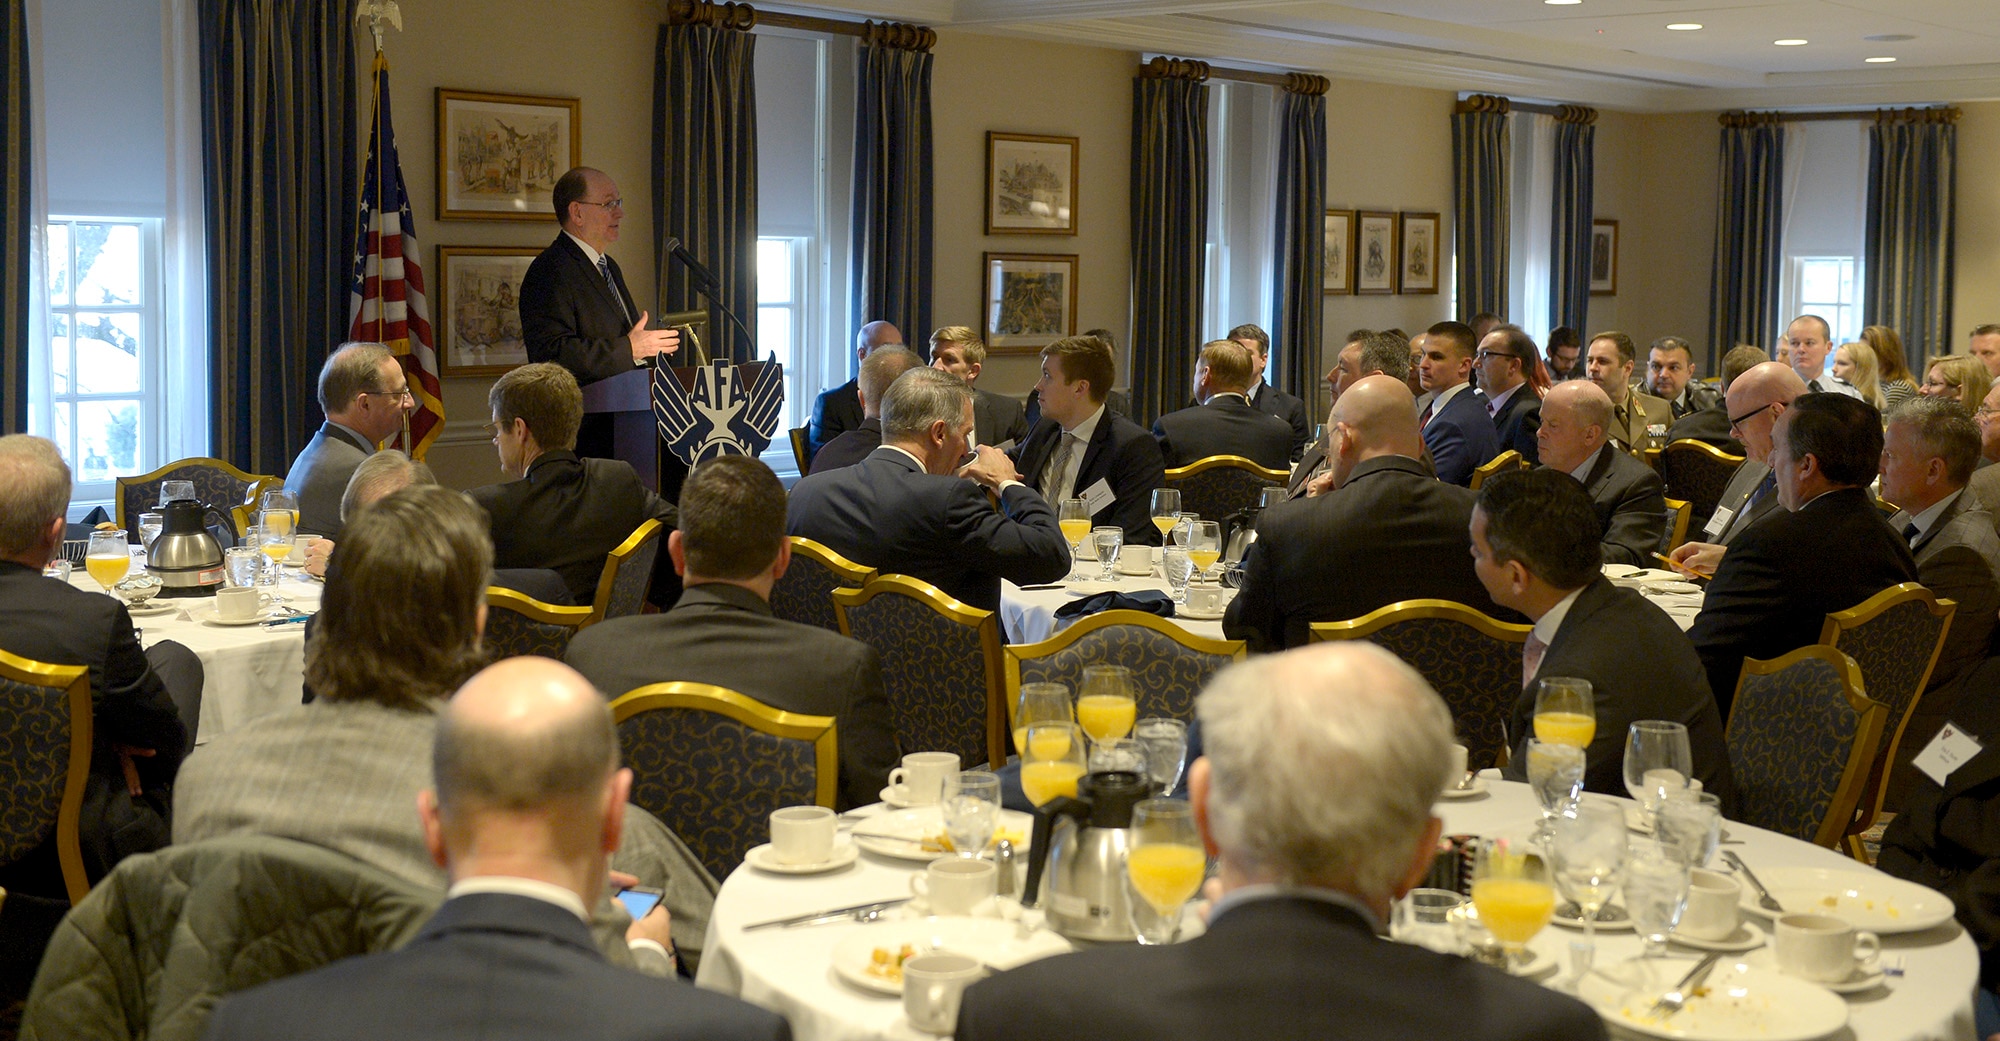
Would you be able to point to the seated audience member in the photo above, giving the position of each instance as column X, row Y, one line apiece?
column 1639, row 421
column 838, row 409
column 1829, row 550
column 1671, row 377
column 1315, row 795
column 527, row 803
column 1564, row 353
column 1711, row 423
column 1854, row 366
column 1367, row 354
column 1268, row 399
column 1810, row 341
column 1506, row 360
column 144, row 704
column 1457, row 428
column 365, row 395
column 1387, row 531
column 1627, row 495
column 398, row 631
column 563, row 513
column 1890, row 368
column 1535, row 546
column 1223, row 422
column 997, row 419
column 908, row 509
column 1959, row 377
column 1985, row 481
column 378, row 475
column 878, row 370
column 1756, row 401
column 1085, row 450
column 1484, row 322
column 730, row 548
column 1347, row 362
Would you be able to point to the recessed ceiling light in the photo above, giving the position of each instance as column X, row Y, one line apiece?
column 1790, row 43
column 1878, row 61
column 1561, row 3
column 1684, row 27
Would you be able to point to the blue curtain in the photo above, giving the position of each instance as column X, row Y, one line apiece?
column 705, row 164
column 1912, row 191
column 16, row 219
column 1479, row 186
column 1569, row 254
column 892, row 225
column 1749, row 227
column 1296, row 302
column 281, row 185
column 1169, row 230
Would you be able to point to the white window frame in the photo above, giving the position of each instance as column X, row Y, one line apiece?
column 1843, row 317
column 1242, row 209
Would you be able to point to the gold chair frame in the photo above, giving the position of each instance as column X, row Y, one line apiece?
column 820, row 730
column 1499, row 464
column 647, row 531
column 987, row 623
column 536, row 610
column 1015, row 654
column 1838, row 622
column 74, row 681
column 849, row 572
column 1213, row 462
column 802, row 449
column 1854, row 776
column 1697, row 445
column 255, row 481
column 1678, row 530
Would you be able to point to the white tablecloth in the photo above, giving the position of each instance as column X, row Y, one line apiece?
column 789, row 970
column 1028, row 615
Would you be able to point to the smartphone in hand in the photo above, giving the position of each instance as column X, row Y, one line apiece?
column 639, row 901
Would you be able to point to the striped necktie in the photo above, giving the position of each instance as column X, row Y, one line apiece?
column 1058, row 464
column 604, row 268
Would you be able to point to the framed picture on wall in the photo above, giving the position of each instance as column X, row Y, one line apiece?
column 1375, row 255
column 1030, row 184
column 499, row 155
column 478, row 308
column 1337, row 244
column 1418, row 270
column 1030, row 300
column 1603, row 257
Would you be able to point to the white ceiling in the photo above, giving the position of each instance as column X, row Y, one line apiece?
column 1612, row 53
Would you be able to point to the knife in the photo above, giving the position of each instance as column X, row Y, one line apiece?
column 1764, row 898
column 832, row 915
column 1676, row 999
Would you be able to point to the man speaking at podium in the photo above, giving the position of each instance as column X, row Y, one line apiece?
column 575, row 309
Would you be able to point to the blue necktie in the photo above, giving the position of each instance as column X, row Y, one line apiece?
column 604, row 268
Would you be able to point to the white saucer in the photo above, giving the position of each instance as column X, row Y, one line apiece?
column 207, row 616
column 1147, row 573
column 893, row 801
column 1455, row 792
column 1185, row 611
column 1747, row 937
column 1622, row 925
column 1537, row 965
column 1855, row 984
column 152, row 607
column 763, row 859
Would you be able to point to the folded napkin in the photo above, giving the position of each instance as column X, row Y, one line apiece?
column 1151, row 601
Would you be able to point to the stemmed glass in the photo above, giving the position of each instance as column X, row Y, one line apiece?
column 1106, row 541
column 1105, row 704
column 1073, row 516
column 1691, row 822
column 275, row 532
column 1511, row 891
column 1204, row 544
column 1040, row 703
column 1166, row 510
column 1555, row 773
column 175, row 491
column 108, row 557
column 971, row 807
column 1052, row 761
column 1589, row 851
column 1179, row 570
column 1166, row 742
column 1165, row 866
column 1565, row 711
column 1658, row 760
column 1656, row 889
column 280, row 499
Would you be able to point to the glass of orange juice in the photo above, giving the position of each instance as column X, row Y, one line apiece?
column 1164, row 866
column 1565, row 712
column 1073, row 517
column 1105, row 703
column 1040, row 703
column 1052, row 758
column 1512, row 892
column 1166, row 510
column 108, row 557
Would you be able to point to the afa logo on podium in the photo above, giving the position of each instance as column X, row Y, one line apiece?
column 730, row 409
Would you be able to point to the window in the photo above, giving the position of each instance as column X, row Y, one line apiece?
column 103, row 389
column 781, row 275
column 1241, row 207
column 1825, row 286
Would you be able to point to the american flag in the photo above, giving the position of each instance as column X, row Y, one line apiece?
column 386, row 297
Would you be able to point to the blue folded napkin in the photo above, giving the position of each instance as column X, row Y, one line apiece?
column 1151, row 601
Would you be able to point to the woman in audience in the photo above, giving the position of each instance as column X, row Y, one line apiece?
column 1960, row 377
column 1898, row 385
column 1854, row 365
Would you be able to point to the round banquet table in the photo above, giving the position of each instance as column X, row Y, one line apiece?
column 1029, row 615
column 788, row 970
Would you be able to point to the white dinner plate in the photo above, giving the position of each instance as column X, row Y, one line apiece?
column 1864, row 899
column 764, row 858
column 995, row 943
column 1621, row 570
column 1671, row 586
column 1747, row 937
column 901, row 833
column 1452, row 791
column 1738, row 1002
column 891, row 799
column 1855, row 984
column 152, row 607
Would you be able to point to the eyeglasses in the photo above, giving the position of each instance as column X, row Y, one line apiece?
column 1485, row 354
column 1983, row 411
column 397, row 394
column 609, row 204
column 1737, row 421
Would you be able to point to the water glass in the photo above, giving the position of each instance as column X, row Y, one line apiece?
column 242, row 564
column 1166, row 742
column 1120, row 753
column 1106, row 541
column 1174, row 560
column 971, row 807
column 1656, row 890
column 149, row 529
column 1691, row 822
column 1658, row 760
column 1423, row 918
column 175, row 491
column 1589, row 852
column 57, row 569
column 1555, row 773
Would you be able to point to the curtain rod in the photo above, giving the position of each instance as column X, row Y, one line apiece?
column 1163, row 67
column 743, row 16
column 1935, row 114
column 1495, row 103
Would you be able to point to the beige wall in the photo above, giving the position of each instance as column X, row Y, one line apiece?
column 1976, row 296
column 1656, row 177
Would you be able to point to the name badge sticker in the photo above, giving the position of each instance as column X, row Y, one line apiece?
column 1949, row 750
column 1097, row 496
column 1718, row 523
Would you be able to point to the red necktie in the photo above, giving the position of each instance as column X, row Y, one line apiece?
column 1531, row 659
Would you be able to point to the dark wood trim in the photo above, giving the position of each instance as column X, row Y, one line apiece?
column 1934, row 114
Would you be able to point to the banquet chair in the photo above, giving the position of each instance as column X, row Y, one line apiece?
column 1505, row 462
column 712, row 764
column 518, row 624
column 1894, row 637
column 1679, row 511
column 628, row 574
column 805, row 594
column 1222, row 485
column 245, row 512
column 42, row 776
column 1169, row 664
column 940, row 666
column 1472, row 660
column 1800, row 736
column 216, row 483
column 1697, row 473
column 802, row 450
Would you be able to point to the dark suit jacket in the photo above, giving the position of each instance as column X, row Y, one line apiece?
column 1631, row 506
column 568, row 514
column 1280, row 968
column 1391, row 533
column 1120, row 453
column 1736, row 496
column 1695, row 397
column 1308, row 465
column 570, row 317
column 1224, row 426
column 1274, row 402
column 318, row 478
column 491, row 966
column 1461, row 437
column 1785, row 574
column 1708, row 424
column 849, row 448
column 1959, row 558
column 835, row 412
column 1640, row 666
column 887, row 513
column 725, row 635
column 997, row 418
column 1517, row 423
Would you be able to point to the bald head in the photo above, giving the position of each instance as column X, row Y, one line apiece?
column 1576, row 417
column 1377, row 416
column 875, row 334
column 1756, row 399
column 523, row 735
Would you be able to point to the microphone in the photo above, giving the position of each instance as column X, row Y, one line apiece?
column 705, row 279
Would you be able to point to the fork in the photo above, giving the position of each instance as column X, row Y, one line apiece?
column 1676, row 999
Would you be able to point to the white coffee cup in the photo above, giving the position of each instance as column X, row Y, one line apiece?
column 1457, row 774
column 955, row 885
column 802, row 834
column 239, row 604
column 1823, row 948
column 1711, row 912
column 920, row 780
column 932, row 987
column 1206, row 599
column 1135, row 560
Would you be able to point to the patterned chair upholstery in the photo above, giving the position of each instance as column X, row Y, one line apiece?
column 1696, row 473
column 712, row 764
column 44, row 761
column 1801, row 734
column 1505, row 462
column 1895, row 637
column 805, row 594
column 1221, row 485
column 628, row 574
column 518, row 624
column 1169, row 664
column 1472, row 660
column 940, row 666
column 1679, row 513
column 216, row 483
